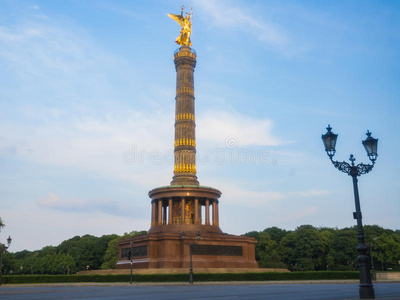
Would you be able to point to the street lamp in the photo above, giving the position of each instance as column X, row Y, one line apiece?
column 366, row 289
column 131, row 257
column 3, row 250
column 183, row 236
column 372, row 258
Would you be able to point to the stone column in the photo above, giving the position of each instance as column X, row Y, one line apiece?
column 196, row 211
column 185, row 137
column 170, row 211
column 217, row 212
column 207, row 211
column 153, row 213
column 183, row 211
column 159, row 211
column 214, row 220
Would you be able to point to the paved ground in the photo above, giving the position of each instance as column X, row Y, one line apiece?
column 320, row 291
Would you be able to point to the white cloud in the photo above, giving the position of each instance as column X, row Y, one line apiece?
column 234, row 194
column 107, row 206
column 311, row 193
column 56, row 64
column 41, row 50
column 243, row 197
column 295, row 215
column 94, row 144
column 222, row 127
column 229, row 15
column 60, row 110
column 121, row 10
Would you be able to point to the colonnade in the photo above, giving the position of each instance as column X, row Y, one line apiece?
column 184, row 210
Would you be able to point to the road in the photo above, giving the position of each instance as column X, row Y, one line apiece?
column 199, row 292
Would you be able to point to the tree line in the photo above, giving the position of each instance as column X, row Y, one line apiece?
column 79, row 253
column 316, row 249
column 306, row 248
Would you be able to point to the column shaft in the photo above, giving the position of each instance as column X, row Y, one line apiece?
column 214, row 220
column 217, row 212
column 170, row 211
column 183, row 211
column 153, row 213
column 196, row 211
column 159, row 211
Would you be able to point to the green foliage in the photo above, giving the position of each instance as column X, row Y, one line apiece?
column 2, row 223
column 267, row 247
column 22, row 254
column 51, row 263
column 267, row 252
column 343, row 255
column 276, row 233
column 75, row 254
column 309, row 248
column 254, row 234
column 201, row 277
column 387, row 252
column 111, row 256
column 305, row 249
column 9, row 262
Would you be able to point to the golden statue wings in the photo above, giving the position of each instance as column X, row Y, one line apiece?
column 186, row 24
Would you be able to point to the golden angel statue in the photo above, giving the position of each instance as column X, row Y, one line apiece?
column 186, row 24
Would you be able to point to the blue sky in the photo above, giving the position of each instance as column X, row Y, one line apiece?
column 87, row 109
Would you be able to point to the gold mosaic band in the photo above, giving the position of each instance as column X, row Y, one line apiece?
column 184, row 116
column 185, row 90
column 185, row 142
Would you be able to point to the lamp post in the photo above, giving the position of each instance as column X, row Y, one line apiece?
column 3, row 250
column 183, row 236
column 366, row 289
column 372, row 259
column 130, row 257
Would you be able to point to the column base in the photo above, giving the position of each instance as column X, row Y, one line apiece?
column 367, row 291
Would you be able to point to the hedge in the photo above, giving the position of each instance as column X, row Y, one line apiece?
column 270, row 276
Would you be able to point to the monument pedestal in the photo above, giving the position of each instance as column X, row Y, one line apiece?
column 168, row 250
column 186, row 209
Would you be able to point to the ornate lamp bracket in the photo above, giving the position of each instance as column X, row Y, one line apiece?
column 352, row 169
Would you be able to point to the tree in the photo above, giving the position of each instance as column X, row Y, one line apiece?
column 253, row 234
column 276, row 233
column 267, row 252
column 2, row 225
column 9, row 263
column 30, row 264
column 343, row 254
column 87, row 251
column 111, row 255
column 387, row 251
column 305, row 249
